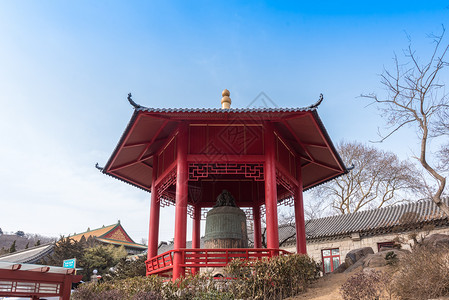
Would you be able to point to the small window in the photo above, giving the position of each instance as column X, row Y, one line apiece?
column 388, row 245
column 331, row 259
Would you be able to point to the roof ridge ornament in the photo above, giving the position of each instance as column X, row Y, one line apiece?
column 131, row 101
column 98, row 167
column 225, row 101
column 317, row 103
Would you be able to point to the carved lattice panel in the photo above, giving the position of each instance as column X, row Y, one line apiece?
column 204, row 211
column 285, row 182
column 250, row 170
column 166, row 203
column 288, row 198
column 169, row 180
column 190, row 210
column 289, row 201
column 249, row 213
column 263, row 211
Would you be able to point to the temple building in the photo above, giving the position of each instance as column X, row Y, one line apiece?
column 329, row 239
column 113, row 234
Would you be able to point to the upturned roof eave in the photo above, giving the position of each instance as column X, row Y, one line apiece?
column 119, row 242
column 120, row 142
column 168, row 113
column 326, row 136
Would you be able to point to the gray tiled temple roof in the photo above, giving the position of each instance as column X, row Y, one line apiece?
column 225, row 111
column 31, row 255
column 164, row 247
column 375, row 221
column 220, row 110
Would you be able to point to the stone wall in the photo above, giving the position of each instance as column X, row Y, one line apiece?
column 355, row 241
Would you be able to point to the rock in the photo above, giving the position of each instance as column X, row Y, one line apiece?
column 374, row 261
column 436, row 239
column 365, row 258
column 379, row 259
column 356, row 267
column 355, row 255
column 341, row 268
column 353, row 260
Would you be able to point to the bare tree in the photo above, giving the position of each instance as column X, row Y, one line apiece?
column 287, row 230
column 379, row 178
column 442, row 129
column 416, row 97
column 443, row 156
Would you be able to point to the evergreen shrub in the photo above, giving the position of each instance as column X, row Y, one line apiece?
column 276, row 278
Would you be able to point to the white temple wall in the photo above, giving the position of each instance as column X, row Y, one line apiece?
column 314, row 249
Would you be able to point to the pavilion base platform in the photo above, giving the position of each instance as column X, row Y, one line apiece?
column 194, row 259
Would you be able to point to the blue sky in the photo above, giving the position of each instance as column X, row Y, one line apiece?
column 67, row 66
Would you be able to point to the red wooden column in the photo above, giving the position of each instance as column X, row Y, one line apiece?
column 257, row 227
column 181, row 201
column 270, row 188
column 153, row 234
column 66, row 287
column 299, row 215
column 196, row 231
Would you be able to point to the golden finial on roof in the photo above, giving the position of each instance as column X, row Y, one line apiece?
column 225, row 101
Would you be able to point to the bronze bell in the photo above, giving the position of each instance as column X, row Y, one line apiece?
column 226, row 224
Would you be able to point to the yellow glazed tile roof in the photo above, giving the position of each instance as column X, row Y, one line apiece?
column 94, row 233
column 113, row 234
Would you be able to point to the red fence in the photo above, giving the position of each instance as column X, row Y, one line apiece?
column 200, row 258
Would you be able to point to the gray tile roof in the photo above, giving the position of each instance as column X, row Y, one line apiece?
column 139, row 107
column 225, row 111
column 377, row 221
column 31, row 255
column 397, row 218
column 167, row 247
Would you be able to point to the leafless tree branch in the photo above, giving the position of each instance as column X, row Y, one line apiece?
column 416, row 97
column 379, row 178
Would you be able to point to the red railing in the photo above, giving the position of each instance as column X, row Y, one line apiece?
column 200, row 258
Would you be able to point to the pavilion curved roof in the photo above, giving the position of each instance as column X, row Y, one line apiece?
column 149, row 128
column 113, row 234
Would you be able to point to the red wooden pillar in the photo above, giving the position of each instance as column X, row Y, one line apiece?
column 299, row 215
column 257, row 227
column 66, row 288
column 181, row 201
column 270, row 188
column 153, row 234
column 196, row 231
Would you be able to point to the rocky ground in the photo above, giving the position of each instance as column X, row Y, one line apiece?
column 325, row 288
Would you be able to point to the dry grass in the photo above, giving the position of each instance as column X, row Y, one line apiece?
column 326, row 288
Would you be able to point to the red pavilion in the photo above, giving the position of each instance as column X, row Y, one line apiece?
column 186, row 157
